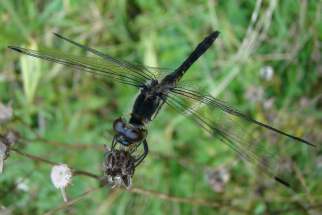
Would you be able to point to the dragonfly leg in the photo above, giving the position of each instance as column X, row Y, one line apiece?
column 113, row 143
column 133, row 148
column 146, row 151
column 157, row 111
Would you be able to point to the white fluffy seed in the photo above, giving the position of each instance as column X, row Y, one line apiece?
column 61, row 176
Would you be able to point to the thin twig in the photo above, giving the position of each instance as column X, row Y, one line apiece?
column 40, row 159
column 163, row 196
column 84, row 173
column 185, row 200
column 73, row 201
column 80, row 146
column 34, row 157
column 54, row 143
column 194, row 201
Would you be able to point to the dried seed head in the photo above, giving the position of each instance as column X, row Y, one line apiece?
column 61, row 176
column 119, row 167
column 218, row 178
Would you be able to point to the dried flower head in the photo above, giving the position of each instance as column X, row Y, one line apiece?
column 218, row 178
column 119, row 167
column 61, row 176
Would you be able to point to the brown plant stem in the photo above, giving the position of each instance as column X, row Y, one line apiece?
column 163, row 196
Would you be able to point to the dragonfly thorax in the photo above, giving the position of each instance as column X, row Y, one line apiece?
column 127, row 134
column 147, row 104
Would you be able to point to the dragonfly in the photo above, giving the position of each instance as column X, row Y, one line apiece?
column 225, row 122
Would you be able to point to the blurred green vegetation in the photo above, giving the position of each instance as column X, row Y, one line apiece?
column 73, row 112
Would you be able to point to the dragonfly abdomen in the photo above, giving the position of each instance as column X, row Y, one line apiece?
column 193, row 57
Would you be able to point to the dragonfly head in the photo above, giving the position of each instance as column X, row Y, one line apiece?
column 127, row 134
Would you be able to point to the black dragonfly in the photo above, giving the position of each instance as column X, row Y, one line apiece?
column 237, row 130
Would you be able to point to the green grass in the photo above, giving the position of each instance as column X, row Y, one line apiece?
column 72, row 109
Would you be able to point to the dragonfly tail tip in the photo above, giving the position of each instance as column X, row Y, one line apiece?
column 215, row 34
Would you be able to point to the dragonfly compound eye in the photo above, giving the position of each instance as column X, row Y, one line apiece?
column 127, row 133
column 119, row 125
column 135, row 134
column 132, row 134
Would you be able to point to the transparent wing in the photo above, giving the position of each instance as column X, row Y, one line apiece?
column 262, row 145
column 92, row 65
column 102, row 64
column 148, row 71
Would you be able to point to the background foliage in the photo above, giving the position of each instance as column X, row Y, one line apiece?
column 66, row 116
